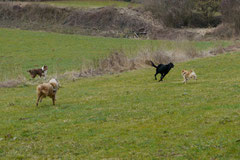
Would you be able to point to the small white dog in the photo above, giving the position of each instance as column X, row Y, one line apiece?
column 188, row 75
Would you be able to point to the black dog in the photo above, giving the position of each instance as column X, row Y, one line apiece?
column 162, row 69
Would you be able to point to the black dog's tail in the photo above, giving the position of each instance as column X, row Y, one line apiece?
column 150, row 63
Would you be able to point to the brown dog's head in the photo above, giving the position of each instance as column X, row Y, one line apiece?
column 184, row 72
column 54, row 82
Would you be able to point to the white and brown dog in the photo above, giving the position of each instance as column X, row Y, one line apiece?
column 188, row 75
column 47, row 89
column 44, row 69
column 40, row 72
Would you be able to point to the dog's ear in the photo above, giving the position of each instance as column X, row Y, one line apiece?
column 54, row 85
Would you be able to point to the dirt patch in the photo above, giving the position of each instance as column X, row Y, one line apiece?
column 12, row 83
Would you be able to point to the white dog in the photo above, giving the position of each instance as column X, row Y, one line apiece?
column 188, row 75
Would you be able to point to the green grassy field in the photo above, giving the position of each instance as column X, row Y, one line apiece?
column 129, row 116
column 23, row 50
column 91, row 3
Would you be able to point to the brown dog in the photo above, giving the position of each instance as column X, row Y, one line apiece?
column 47, row 89
column 40, row 72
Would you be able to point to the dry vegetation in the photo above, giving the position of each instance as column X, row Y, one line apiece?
column 185, row 13
column 115, row 63
column 118, row 61
column 230, row 10
column 106, row 21
column 156, row 20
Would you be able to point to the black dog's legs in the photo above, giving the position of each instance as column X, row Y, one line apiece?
column 162, row 76
column 156, row 76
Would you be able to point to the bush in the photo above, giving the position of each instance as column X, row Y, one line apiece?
column 173, row 13
column 178, row 13
column 208, row 8
column 230, row 10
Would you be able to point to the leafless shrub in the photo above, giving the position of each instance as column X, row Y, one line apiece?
column 180, row 13
column 110, row 19
column 230, row 10
column 218, row 50
column 192, row 53
column 106, row 21
column 32, row 13
column 225, row 30
column 116, row 62
column 174, row 13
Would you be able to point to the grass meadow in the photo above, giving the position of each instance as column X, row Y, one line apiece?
column 22, row 50
column 129, row 116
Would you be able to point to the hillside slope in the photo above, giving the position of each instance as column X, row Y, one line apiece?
column 107, row 21
column 104, row 21
column 23, row 50
column 129, row 116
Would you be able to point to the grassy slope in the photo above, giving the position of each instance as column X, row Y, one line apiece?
column 90, row 3
column 22, row 50
column 130, row 116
